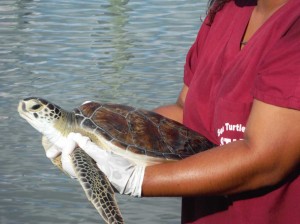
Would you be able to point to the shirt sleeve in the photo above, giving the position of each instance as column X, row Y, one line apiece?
column 278, row 79
column 193, row 54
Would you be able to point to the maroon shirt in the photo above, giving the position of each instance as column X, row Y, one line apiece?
column 223, row 81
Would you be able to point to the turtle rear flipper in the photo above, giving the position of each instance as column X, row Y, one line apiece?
column 96, row 186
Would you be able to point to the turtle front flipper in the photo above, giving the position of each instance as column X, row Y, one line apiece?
column 96, row 186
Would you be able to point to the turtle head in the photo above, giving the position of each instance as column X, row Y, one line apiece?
column 48, row 118
column 40, row 113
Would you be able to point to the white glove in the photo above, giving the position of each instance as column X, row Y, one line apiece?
column 126, row 176
column 52, row 151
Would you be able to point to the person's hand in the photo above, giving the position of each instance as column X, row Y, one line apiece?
column 126, row 176
column 53, row 151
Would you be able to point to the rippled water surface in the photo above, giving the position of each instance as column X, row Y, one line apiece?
column 70, row 51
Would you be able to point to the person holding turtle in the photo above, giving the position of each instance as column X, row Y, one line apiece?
column 241, row 91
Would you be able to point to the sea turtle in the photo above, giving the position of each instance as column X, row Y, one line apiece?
column 139, row 135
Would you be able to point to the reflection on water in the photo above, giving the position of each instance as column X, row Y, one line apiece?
column 120, row 51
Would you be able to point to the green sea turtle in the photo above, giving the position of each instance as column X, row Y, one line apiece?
column 139, row 135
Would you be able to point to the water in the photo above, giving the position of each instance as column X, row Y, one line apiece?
column 70, row 51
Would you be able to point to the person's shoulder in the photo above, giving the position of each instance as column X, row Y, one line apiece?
column 291, row 37
column 295, row 28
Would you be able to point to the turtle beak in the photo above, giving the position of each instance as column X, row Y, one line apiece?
column 21, row 107
column 22, row 110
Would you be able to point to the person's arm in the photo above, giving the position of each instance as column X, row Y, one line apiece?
column 269, row 152
column 174, row 111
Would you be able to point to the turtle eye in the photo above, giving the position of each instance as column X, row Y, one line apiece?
column 36, row 106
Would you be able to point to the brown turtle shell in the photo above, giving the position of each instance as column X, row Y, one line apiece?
column 140, row 131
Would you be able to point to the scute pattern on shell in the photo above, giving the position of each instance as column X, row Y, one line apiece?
column 140, row 131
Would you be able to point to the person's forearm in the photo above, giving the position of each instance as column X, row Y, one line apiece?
column 172, row 111
column 224, row 170
column 268, row 153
